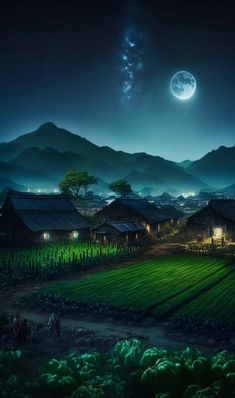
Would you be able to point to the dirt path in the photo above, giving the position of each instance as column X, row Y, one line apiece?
column 155, row 335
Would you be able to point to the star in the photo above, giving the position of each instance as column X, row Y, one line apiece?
column 132, row 66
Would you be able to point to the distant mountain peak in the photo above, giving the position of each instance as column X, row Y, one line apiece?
column 47, row 125
column 51, row 151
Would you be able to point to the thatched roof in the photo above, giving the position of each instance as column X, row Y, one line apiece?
column 46, row 212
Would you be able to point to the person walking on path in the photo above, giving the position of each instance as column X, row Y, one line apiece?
column 51, row 323
column 57, row 327
column 32, row 331
column 23, row 331
column 16, row 325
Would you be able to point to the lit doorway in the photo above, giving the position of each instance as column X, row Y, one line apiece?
column 218, row 233
column 218, row 236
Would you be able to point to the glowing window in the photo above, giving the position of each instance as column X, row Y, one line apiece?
column 46, row 235
column 75, row 234
column 148, row 228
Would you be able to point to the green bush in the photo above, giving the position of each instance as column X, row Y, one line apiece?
column 129, row 370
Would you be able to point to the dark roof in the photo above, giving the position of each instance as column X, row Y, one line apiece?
column 171, row 211
column 54, row 221
column 224, row 207
column 126, row 226
column 47, row 212
column 120, row 226
column 31, row 202
column 145, row 209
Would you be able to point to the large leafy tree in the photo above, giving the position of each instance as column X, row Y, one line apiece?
column 88, row 181
column 121, row 187
column 76, row 182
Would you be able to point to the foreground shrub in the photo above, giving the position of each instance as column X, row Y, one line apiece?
column 129, row 370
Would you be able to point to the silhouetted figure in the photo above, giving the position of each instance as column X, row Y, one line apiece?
column 57, row 327
column 23, row 331
column 32, row 332
column 51, row 323
column 16, row 325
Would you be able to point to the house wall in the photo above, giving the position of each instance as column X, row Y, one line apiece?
column 117, row 212
column 112, row 236
column 56, row 236
column 20, row 236
column 203, row 224
column 13, row 232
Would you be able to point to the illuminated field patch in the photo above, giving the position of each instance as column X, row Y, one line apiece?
column 156, row 284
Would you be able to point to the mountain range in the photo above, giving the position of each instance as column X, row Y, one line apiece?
column 216, row 168
column 40, row 159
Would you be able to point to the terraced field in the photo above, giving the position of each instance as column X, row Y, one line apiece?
column 217, row 303
column 162, row 286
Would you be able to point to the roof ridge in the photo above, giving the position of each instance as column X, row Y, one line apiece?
column 36, row 195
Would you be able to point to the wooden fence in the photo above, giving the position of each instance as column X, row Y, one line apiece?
column 206, row 250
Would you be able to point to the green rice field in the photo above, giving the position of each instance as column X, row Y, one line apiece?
column 55, row 253
column 179, row 284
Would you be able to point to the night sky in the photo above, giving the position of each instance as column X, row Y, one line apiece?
column 102, row 69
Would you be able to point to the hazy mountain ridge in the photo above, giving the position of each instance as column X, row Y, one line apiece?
column 185, row 163
column 7, row 183
column 230, row 190
column 216, row 168
column 48, row 152
column 9, row 150
column 22, row 176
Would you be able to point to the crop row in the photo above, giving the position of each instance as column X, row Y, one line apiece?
column 217, row 303
column 158, row 283
column 52, row 254
column 46, row 262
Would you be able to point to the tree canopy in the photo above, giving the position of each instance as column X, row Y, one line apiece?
column 121, row 187
column 76, row 183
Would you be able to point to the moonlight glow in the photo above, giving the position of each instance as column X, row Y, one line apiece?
column 183, row 85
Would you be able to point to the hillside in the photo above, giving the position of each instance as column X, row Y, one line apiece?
column 9, row 150
column 185, row 163
column 229, row 190
column 7, row 183
column 51, row 151
column 216, row 168
column 48, row 160
column 23, row 176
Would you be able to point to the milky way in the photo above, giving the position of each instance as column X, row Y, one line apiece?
column 131, row 66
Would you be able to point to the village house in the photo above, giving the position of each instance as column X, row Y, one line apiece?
column 120, row 232
column 176, row 215
column 138, row 211
column 28, row 218
column 215, row 222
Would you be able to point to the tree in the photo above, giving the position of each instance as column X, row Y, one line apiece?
column 74, row 181
column 120, row 187
column 88, row 181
